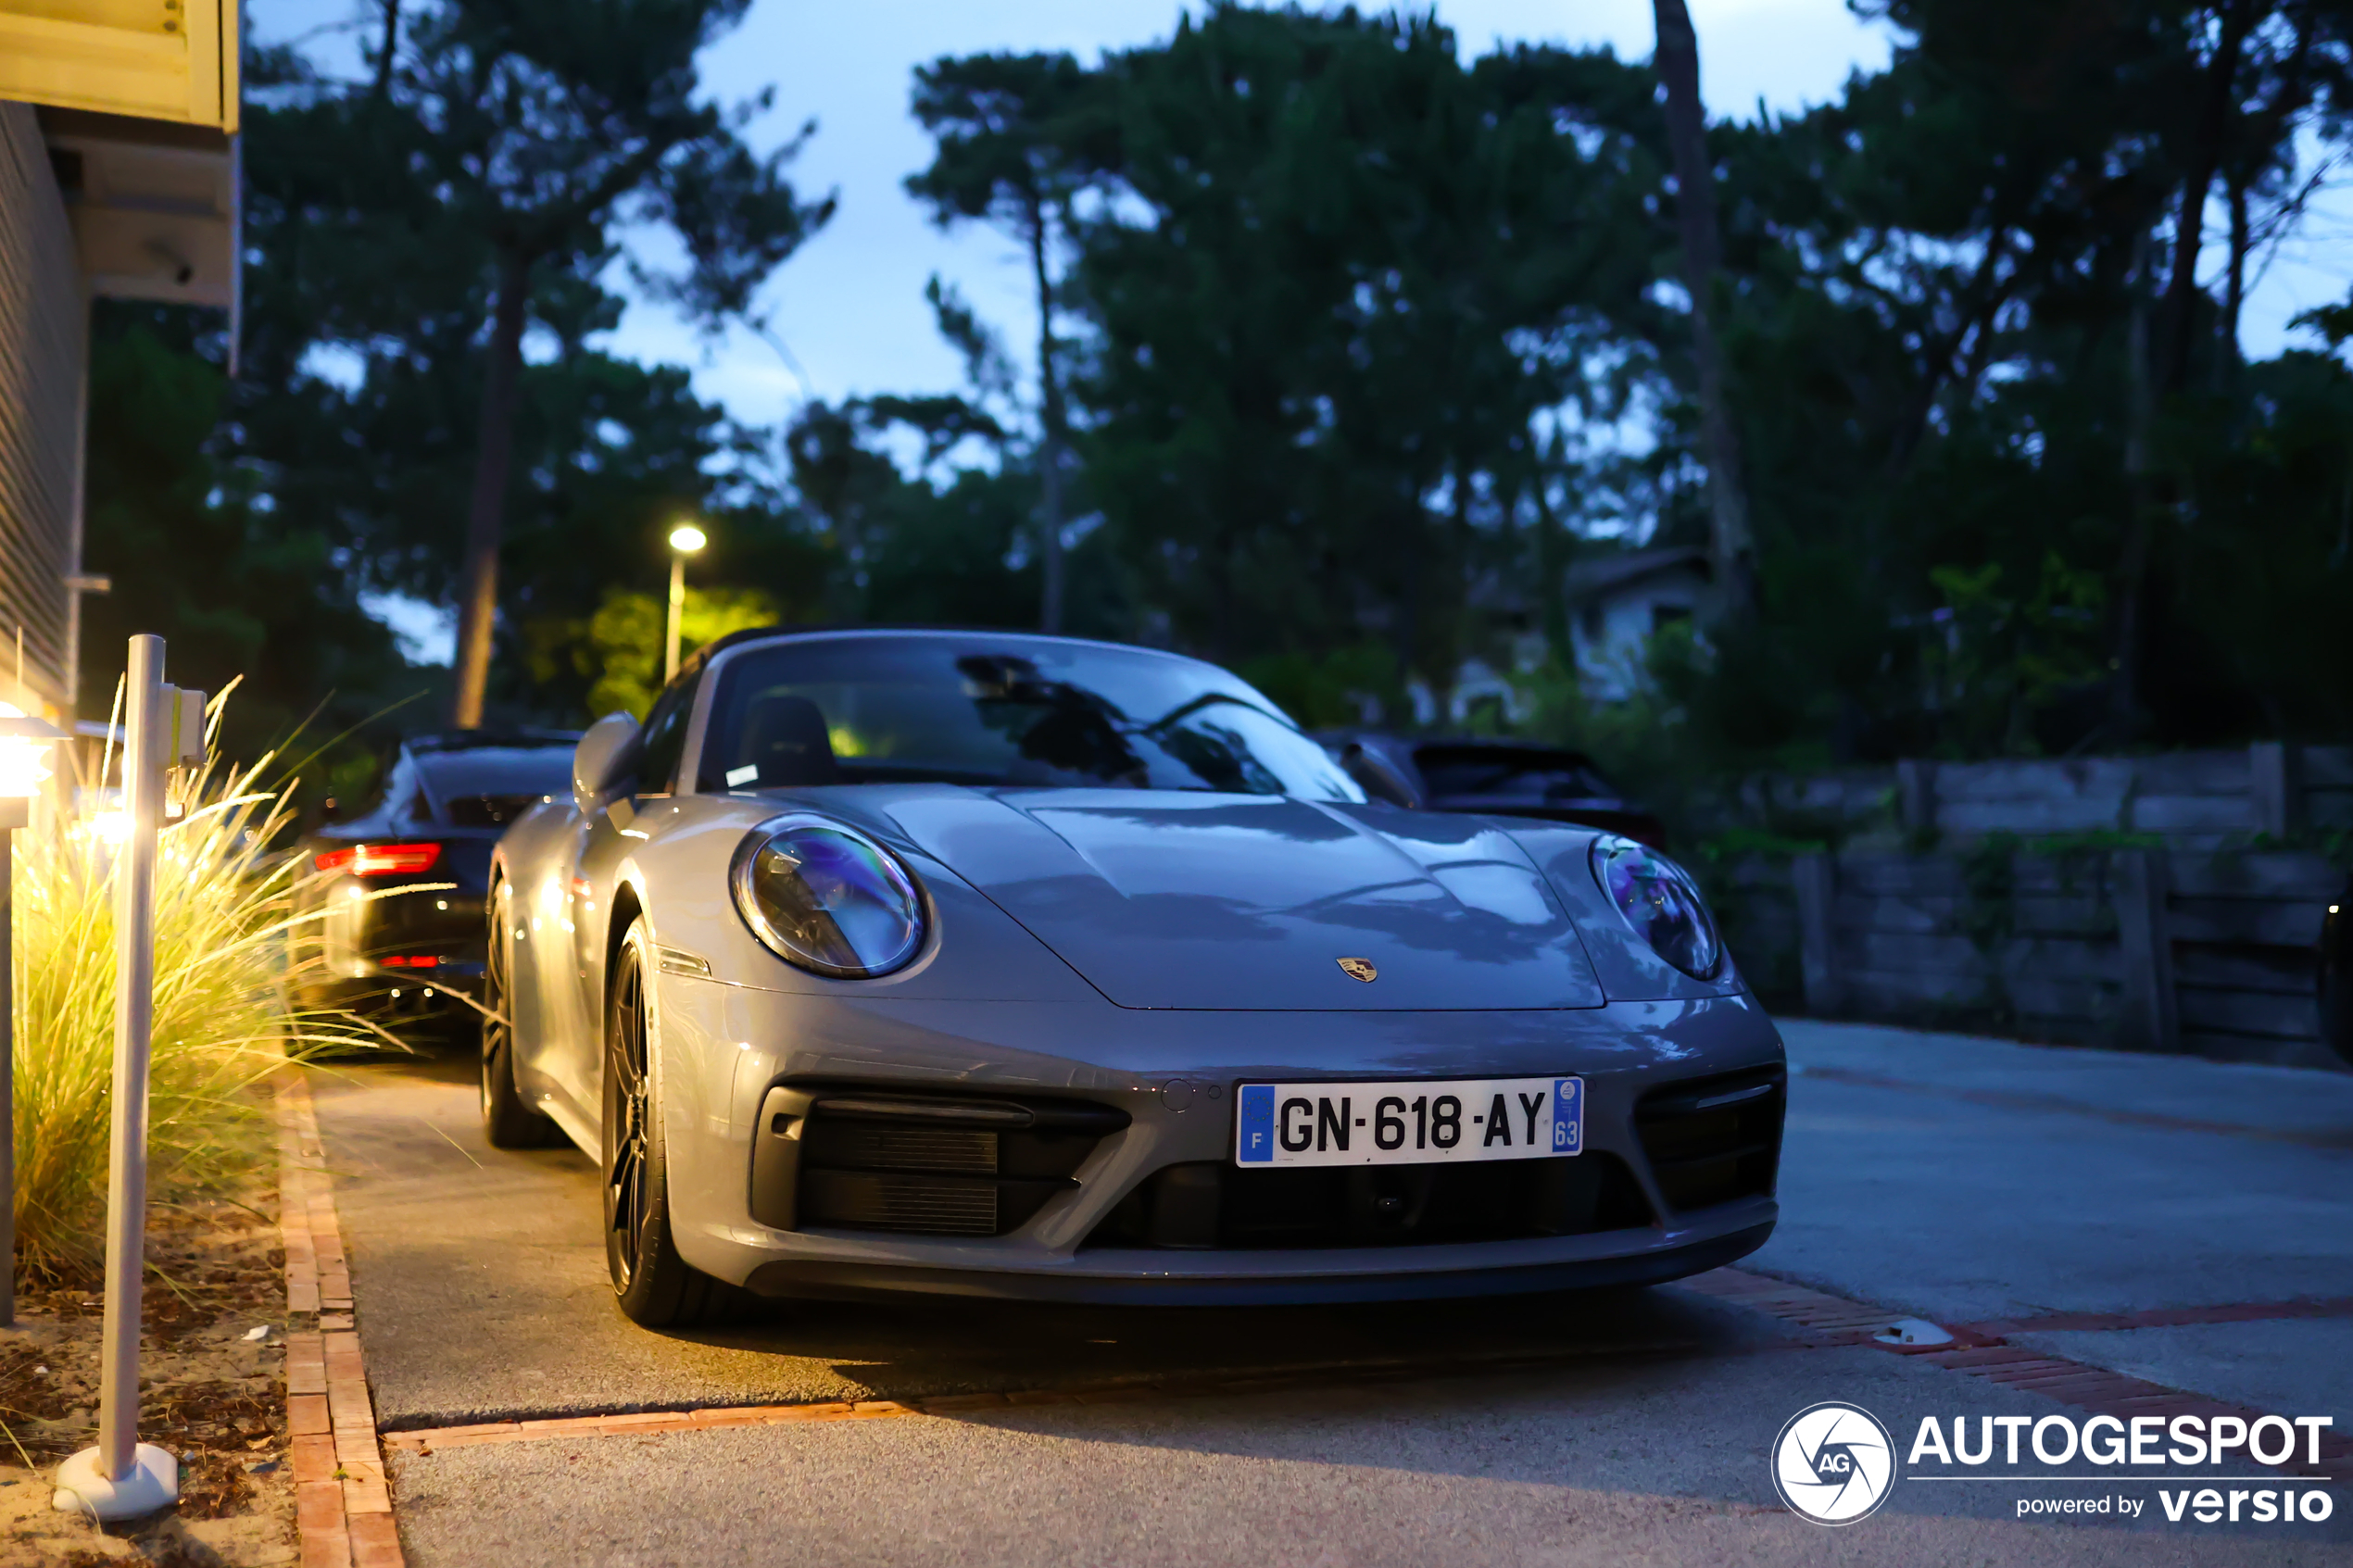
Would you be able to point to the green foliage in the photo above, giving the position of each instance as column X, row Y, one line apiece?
column 199, row 552
column 619, row 650
column 1329, row 690
column 221, row 916
column 1993, row 660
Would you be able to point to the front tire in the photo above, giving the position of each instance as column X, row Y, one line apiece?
column 508, row 1120
column 655, row 1286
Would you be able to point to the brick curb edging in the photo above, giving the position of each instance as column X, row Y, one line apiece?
column 427, row 1440
column 343, row 1508
column 1834, row 1320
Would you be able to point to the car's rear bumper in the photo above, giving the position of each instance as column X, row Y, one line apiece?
column 1298, row 1278
column 393, row 996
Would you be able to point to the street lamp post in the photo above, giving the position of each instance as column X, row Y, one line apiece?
column 684, row 540
column 24, row 768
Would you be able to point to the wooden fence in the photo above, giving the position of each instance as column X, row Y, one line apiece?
column 2154, row 949
column 2189, row 799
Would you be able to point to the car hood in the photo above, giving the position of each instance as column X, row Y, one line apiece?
column 1224, row 901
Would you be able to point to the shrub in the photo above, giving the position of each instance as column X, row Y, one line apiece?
column 223, row 909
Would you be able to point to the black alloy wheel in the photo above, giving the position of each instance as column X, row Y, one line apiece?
column 508, row 1120
column 654, row 1285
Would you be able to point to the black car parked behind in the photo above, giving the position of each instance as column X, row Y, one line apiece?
column 446, row 800
column 1491, row 775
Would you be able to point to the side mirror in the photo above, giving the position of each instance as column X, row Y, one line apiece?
column 593, row 759
column 1379, row 777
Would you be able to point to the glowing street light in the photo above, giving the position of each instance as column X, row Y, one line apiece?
column 25, row 744
column 684, row 540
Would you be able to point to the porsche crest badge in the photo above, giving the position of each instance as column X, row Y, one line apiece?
column 1359, row 969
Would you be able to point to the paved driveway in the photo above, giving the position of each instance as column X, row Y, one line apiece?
column 1960, row 1180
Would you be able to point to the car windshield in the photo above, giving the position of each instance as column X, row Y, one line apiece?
column 998, row 710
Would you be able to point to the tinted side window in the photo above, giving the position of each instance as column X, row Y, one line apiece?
column 664, row 740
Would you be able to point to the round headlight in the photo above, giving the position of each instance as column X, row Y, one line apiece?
column 1661, row 903
column 825, row 896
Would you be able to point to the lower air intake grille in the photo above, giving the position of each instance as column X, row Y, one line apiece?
column 1711, row 1140
column 858, row 1157
column 856, row 1200
column 874, row 1146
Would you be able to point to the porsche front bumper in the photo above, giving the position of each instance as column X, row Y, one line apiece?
column 1168, row 1076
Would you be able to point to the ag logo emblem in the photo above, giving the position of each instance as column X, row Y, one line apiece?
column 1359, row 969
column 1833, row 1463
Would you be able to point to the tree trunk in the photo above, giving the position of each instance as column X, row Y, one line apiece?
column 478, row 591
column 1050, row 419
column 2226, row 355
column 391, row 45
column 1552, row 564
column 1677, row 62
column 2189, row 227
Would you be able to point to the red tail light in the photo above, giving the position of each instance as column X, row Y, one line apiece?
column 420, row 961
column 380, row 859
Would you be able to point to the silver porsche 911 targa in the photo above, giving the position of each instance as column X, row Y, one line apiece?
column 1031, row 967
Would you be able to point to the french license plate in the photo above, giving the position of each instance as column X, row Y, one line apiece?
column 1416, row 1123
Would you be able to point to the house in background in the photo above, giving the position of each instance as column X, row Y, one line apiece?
column 1617, row 604
column 118, row 178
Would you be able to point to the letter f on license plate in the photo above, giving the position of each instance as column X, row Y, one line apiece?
column 1461, row 1121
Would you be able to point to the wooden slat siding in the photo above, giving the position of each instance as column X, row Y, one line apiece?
column 1850, row 794
column 2200, row 800
column 1865, row 911
column 2259, row 1049
column 1814, row 879
column 2030, row 817
column 2284, row 971
column 2272, row 875
column 2090, row 778
column 2087, row 1006
column 2194, row 773
column 2327, row 808
column 1898, row 876
column 2328, row 767
column 2261, row 1013
column 2248, row 922
column 2066, row 958
column 1879, row 993
column 2218, row 818
column 44, row 336
column 2088, row 917
column 1903, row 951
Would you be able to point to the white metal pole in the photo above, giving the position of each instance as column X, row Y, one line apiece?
column 677, row 615
column 122, row 1477
column 147, row 734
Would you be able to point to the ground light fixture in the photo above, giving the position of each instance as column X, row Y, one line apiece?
column 122, row 1477
column 25, row 747
column 684, row 540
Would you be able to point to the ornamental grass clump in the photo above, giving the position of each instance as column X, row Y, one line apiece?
column 223, row 909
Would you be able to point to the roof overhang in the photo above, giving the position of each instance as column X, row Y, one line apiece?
column 154, row 205
column 173, row 60
column 138, row 102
